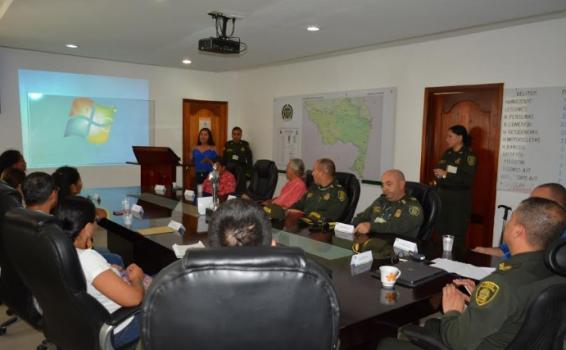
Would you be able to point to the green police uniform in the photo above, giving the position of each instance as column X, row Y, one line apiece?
column 403, row 217
column 240, row 153
column 497, row 307
column 323, row 202
column 455, row 193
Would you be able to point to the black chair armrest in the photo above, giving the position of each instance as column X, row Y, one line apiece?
column 122, row 314
column 423, row 338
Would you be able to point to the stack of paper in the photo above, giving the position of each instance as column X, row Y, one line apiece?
column 180, row 250
column 463, row 269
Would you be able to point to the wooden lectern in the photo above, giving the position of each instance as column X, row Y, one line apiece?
column 158, row 166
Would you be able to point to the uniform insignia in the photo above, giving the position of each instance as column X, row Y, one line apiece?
column 379, row 220
column 398, row 213
column 471, row 160
column 267, row 210
column 341, row 196
column 309, row 195
column 326, row 196
column 487, row 291
column 376, row 209
column 242, row 149
column 457, row 161
column 504, row 267
column 415, row 211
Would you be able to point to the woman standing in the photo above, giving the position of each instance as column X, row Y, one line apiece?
column 204, row 154
column 454, row 177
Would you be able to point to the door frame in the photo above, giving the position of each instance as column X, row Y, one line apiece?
column 428, row 136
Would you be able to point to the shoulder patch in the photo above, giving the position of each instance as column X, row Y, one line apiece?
column 376, row 209
column 504, row 267
column 414, row 210
column 341, row 196
column 487, row 291
column 471, row 160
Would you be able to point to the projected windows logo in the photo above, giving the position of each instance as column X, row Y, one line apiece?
column 90, row 120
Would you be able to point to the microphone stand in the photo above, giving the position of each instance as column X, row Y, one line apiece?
column 214, row 178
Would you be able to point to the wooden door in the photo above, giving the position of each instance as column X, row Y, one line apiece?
column 478, row 108
column 197, row 113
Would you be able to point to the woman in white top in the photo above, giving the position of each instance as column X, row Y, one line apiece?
column 77, row 218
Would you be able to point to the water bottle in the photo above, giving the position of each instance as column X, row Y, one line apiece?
column 126, row 206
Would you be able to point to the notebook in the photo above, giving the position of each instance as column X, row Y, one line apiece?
column 414, row 274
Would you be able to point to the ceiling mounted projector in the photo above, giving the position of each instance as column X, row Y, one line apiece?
column 223, row 43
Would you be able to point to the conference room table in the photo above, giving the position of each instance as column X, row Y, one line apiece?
column 368, row 312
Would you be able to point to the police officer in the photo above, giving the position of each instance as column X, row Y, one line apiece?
column 325, row 200
column 238, row 150
column 497, row 306
column 454, row 177
column 393, row 212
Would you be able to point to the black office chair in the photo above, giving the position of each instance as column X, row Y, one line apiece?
column 241, row 298
column 47, row 261
column 352, row 187
column 263, row 181
column 430, row 202
column 544, row 326
column 13, row 292
column 238, row 172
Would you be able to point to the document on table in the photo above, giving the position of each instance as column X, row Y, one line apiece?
column 462, row 269
column 180, row 250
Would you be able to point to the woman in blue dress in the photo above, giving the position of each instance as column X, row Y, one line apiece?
column 204, row 154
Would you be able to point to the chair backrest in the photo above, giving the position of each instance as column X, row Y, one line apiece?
column 47, row 262
column 430, row 202
column 238, row 172
column 263, row 181
column 352, row 187
column 13, row 292
column 545, row 321
column 241, row 298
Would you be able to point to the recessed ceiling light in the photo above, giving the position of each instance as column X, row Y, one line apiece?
column 313, row 28
column 72, row 46
column 186, row 61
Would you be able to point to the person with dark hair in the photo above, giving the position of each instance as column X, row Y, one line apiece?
column 12, row 159
column 239, row 222
column 454, row 178
column 325, row 200
column 204, row 154
column 13, row 177
column 104, row 283
column 226, row 182
column 238, row 151
column 39, row 192
column 498, row 304
column 69, row 183
column 552, row 191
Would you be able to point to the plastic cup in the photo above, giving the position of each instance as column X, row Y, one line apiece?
column 389, row 275
column 447, row 243
column 189, row 195
column 128, row 217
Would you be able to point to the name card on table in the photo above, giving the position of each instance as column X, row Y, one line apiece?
column 344, row 231
column 177, row 226
column 137, row 210
column 160, row 189
column 362, row 258
column 403, row 246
